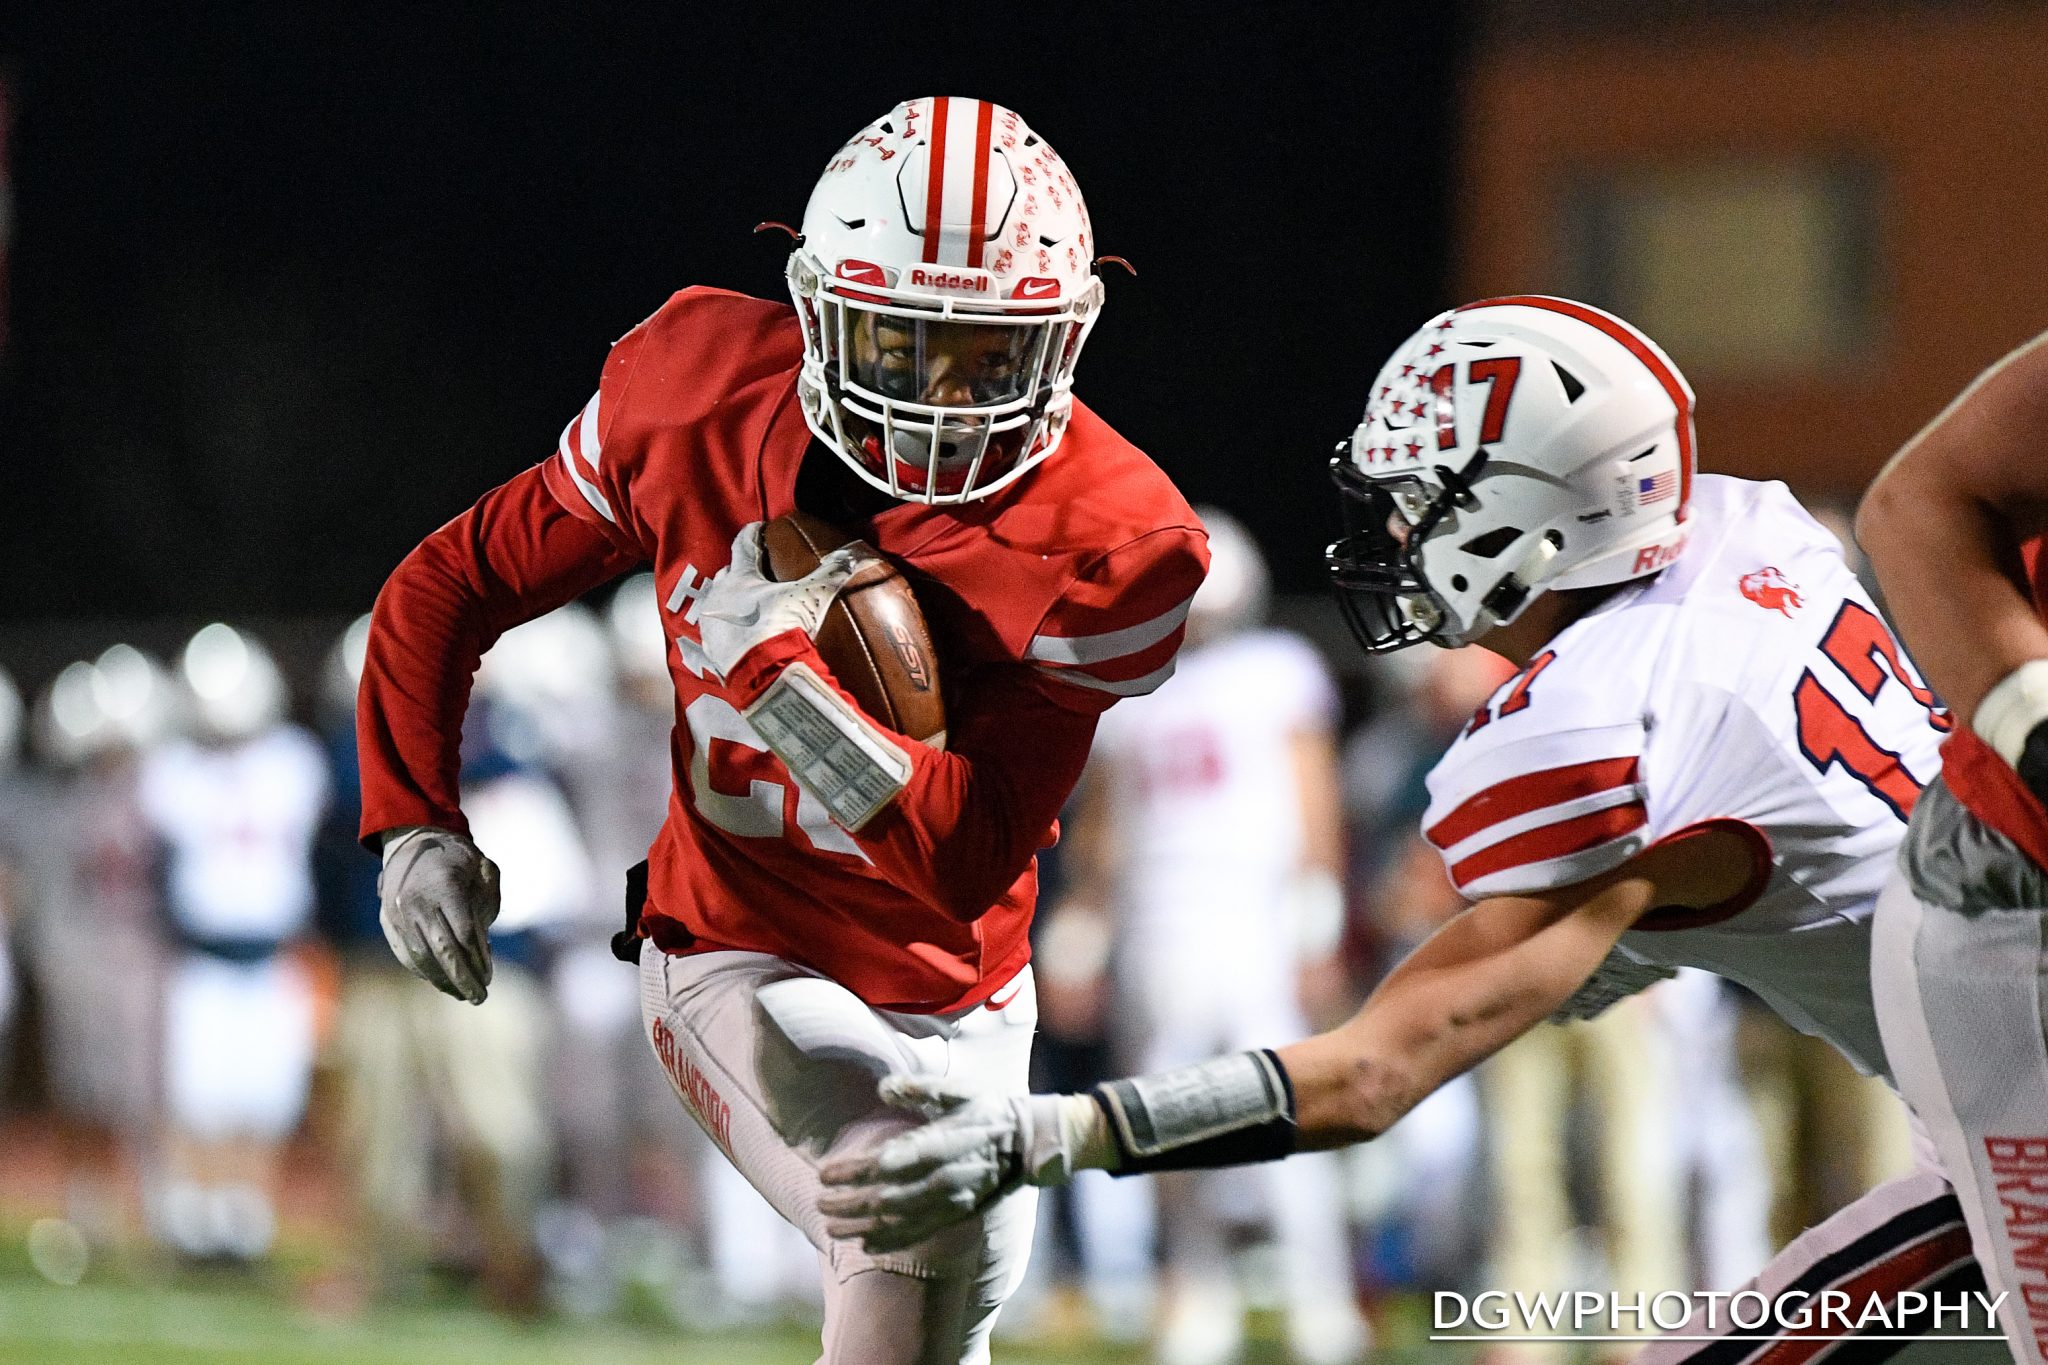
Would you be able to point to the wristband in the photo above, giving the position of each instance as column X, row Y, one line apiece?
column 2011, row 710
column 1216, row 1113
column 833, row 751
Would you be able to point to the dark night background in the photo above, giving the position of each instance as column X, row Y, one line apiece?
column 292, row 287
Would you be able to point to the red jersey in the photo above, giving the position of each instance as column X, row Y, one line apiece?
column 1049, row 600
column 1986, row 783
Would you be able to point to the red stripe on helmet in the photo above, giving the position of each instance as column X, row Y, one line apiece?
column 977, row 229
column 1632, row 340
column 935, row 178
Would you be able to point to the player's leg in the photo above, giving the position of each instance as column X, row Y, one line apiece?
column 779, row 1067
column 1959, row 964
column 1907, row 1234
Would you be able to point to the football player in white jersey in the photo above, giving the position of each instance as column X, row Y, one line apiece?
column 1210, row 825
column 1706, row 759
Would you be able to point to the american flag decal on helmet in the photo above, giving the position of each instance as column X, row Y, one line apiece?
column 1658, row 487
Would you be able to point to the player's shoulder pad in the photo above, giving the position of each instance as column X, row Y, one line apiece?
column 1544, row 786
column 692, row 354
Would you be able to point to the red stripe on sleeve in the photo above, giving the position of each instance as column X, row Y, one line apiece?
column 1545, row 842
column 978, row 227
column 935, row 179
column 1531, row 791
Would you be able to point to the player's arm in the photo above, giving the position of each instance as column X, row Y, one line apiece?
column 1943, row 525
column 1482, row 980
column 517, row 554
column 966, row 820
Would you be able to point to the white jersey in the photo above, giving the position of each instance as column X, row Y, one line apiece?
column 1751, row 686
column 238, row 821
column 1204, row 791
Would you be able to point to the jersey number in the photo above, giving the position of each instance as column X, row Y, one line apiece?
column 1517, row 698
column 757, row 815
column 1859, row 644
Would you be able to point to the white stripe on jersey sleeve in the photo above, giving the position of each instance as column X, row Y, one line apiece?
column 1555, row 872
column 1128, row 687
column 1111, row 644
column 1623, row 795
column 580, row 437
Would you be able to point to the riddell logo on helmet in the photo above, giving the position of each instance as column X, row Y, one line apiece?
column 949, row 279
column 1655, row 557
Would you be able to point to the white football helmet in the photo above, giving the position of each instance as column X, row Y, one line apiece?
column 121, row 701
column 233, row 684
column 341, row 676
column 1510, row 447
column 945, row 280
column 551, row 683
column 1233, row 595
column 639, row 640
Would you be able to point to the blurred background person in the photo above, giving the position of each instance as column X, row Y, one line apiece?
column 236, row 805
column 13, row 880
column 1210, row 832
column 92, row 869
column 438, row 1095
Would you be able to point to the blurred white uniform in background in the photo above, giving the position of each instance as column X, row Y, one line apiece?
column 1206, row 798
column 236, row 808
column 93, row 915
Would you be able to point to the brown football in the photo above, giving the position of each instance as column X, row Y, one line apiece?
column 874, row 638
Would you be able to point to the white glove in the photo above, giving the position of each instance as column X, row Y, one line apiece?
column 440, row 894
column 976, row 1149
column 742, row 607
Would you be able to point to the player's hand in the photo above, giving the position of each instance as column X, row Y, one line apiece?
column 742, row 607
column 440, row 894
column 975, row 1150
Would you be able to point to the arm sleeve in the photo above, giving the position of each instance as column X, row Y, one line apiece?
column 1541, row 813
column 973, row 815
column 519, row 553
column 1116, row 629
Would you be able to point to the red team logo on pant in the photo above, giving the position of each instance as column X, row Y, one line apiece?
column 2020, row 1166
column 713, row 1112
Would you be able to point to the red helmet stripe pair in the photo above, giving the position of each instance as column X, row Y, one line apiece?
column 1637, row 347
column 940, row 153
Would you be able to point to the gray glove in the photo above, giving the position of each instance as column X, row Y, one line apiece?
column 974, row 1150
column 439, row 894
column 742, row 607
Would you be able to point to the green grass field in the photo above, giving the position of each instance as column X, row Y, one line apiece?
column 202, row 1323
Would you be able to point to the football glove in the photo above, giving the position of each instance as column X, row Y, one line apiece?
column 439, row 895
column 1616, row 978
column 2013, row 720
column 975, row 1149
column 743, row 608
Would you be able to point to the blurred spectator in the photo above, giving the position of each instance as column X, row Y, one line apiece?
column 13, row 881
column 236, row 806
column 1213, row 824
column 93, row 917
column 417, row 1066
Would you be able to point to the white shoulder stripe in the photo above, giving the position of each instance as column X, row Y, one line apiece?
column 1554, row 872
column 587, row 432
column 1133, row 687
column 588, row 489
column 1113, row 644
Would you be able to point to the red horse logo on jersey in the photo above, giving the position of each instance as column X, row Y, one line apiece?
column 1772, row 591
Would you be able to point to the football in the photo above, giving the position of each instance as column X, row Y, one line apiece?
column 874, row 638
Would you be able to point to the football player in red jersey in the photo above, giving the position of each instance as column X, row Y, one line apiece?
column 1954, row 526
column 827, row 902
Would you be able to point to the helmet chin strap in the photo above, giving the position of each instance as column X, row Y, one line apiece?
column 1518, row 585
